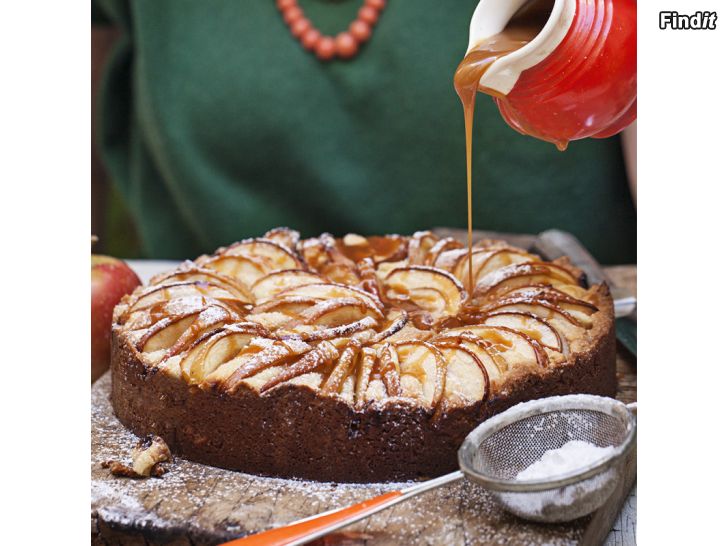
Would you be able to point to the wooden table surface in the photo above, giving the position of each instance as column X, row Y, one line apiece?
column 198, row 504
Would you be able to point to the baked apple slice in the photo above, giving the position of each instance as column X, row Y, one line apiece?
column 340, row 272
column 258, row 356
column 428, row 288
column 486, row 261
column 493, row 363
column 273, row 283
column 441, row 246
column 516, row 348
column 449, row 258
column 286, row 237
column 324, row 353
column 325, row 291
column 387, row 368
column 367, row 361
column 542, row 308
column 342, row 369
column 419, row 247
column 509, row 278
column 467, row 378
column 378, row 248
column 189, row 271
column 572, row 299
column 313, row 333
column 156, row 294
column 273, row 255
column 215, row 348
column 164, row 333
column 211, row 318
column 565, row 324
column 531, row 325
column 396, row 320
column 422, row 371
column 246, row 269
column 339, row 311
column 250, row 260
column 175, row 332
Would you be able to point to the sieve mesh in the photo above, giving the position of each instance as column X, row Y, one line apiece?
column 496, row 451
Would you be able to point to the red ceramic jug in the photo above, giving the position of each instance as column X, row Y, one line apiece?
column 577, row 78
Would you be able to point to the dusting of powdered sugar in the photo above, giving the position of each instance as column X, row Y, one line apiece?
column 552, row 504
column 570, row 457
column 208, row 505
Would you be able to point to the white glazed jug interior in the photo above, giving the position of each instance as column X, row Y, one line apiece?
column 491, row 17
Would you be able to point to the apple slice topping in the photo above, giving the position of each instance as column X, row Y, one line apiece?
column 441, row 246
column 531, row 325
column 467, row 378
column 387, row 368
column 367, row 361
column 516, row 348
column 428, row 288
column 422, row 369
column 209, row 319
column 509, row 278
column 339, row 311
column 342, row 369
column 340, row 272
column 273, row 255
column 312, row 333
column 486, row 261
column 368, row 277
column 395, row 321
column 250, row 260
column 263, row 354
column 213, row 349
column 325, row 291
column 273, row 283
column 190, row 271
column 246, row 269
column 177, row 332
column 493, row 364
column 541, row 308
column 580, row 309
column 165, row 333
column 156, row 294
column 324, row 353
column 285, row 237
column 419, row 247
column 449, row 258
column 379, row 249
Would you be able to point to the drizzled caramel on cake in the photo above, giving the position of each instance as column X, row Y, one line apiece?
column 362, row 319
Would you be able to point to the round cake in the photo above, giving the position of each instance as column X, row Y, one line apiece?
column 358, row 359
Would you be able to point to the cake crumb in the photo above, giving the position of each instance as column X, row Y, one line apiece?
column 146, row 457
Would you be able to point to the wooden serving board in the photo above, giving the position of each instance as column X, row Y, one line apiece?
column 201, row 505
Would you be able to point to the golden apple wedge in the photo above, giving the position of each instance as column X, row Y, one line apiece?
column 429, row 288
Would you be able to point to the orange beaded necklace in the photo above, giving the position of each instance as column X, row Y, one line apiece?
column 346, row 44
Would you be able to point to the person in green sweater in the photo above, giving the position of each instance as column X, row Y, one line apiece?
column 215, row 124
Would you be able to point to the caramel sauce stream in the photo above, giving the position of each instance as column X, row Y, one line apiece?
column 521, row 29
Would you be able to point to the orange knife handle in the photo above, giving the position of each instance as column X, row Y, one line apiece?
column 281, row 536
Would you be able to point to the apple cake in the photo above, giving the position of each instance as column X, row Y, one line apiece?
column 354, row 359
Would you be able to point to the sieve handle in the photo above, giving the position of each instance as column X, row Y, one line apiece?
column 308, row 529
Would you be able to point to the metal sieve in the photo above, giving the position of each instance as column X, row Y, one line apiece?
column 495, row 452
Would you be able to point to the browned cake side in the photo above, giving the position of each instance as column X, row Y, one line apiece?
column 298, row 430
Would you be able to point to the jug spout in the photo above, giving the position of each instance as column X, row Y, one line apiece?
column 492, row 16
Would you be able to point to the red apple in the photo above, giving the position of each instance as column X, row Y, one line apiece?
column 111, row 279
